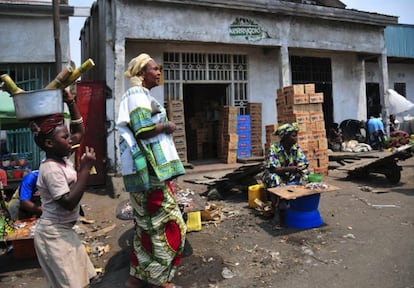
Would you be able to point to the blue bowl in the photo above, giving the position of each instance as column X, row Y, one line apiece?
column 303, row 220
column 305, row 203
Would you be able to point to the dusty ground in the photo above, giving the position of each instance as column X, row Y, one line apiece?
column 360, row 245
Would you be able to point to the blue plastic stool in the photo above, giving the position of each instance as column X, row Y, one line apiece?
column 305, row 203
column 303, row 220
column 303, row 212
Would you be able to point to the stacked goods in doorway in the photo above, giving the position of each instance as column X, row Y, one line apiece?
column 227, row 140
column 244, row 144
column 201, row 136
column 301, row 104
column 255, row 112
column 175, row 112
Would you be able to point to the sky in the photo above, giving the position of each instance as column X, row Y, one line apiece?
column 75, row 26
column 401, row 8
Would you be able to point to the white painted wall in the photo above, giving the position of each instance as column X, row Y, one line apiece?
column 348, row 87
column 403, row 73
column 31, row 39
column 212, row 25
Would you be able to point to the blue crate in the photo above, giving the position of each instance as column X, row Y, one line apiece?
column 244, row 153
column 244, row 145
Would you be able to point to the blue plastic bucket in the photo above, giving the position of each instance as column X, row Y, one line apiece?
column 305, row 203
column 303, row 220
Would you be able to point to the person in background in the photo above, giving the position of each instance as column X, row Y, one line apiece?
column 60, row 252
column 149, row 161
column 334, row 138
column 376, row 133
column 25, row 202
column 286, row 163
column 352, row 129
column 394, row 123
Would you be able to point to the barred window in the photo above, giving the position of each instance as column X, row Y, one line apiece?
column 180, row 68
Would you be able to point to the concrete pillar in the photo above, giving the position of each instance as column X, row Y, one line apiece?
column 383, row 87
column 362, row 97
column 118, row 91
column 285, row 73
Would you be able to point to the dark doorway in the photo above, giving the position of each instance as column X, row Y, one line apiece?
column 318, row 71
column 373, row 99
column 202, row 104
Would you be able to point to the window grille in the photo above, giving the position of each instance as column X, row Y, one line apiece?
column 29, row 76
column 180, row 68
column 400, row 88
column 311, row 69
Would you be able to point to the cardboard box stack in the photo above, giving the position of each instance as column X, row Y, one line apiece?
column 255, row 112
column 244, row 144
column 228, row 139
column 175, row 112
column 300, row 103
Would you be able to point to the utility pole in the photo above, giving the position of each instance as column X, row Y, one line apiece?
column 56, row 32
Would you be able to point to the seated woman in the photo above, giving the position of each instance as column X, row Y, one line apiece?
column 286, row 163
column 25, row 202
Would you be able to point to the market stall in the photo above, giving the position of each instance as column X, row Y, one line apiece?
column 16, row 161
column 8, row 118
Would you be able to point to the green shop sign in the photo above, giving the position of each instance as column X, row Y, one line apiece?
column 246, row 28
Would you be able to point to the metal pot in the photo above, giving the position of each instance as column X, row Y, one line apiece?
column 38, row 103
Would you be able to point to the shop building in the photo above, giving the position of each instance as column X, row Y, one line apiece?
column 233, row 53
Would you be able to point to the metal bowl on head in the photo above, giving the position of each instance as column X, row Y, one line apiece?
column 38, row 103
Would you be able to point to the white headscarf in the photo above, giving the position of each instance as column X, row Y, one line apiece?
column 135, row 66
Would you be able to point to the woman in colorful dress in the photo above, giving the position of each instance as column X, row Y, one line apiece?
column 149, row 161
column 286, row 163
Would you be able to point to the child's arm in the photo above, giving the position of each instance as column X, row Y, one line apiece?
column 77, row 128
column 71, row 199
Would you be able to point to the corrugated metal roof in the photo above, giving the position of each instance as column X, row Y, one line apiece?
column 399, row 41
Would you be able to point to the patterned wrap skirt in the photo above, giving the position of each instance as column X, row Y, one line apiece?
column 159, row 233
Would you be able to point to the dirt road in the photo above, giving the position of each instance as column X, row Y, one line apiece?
column 366, row 240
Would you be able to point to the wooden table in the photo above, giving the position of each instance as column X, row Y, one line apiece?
column 22, row 239
column 295, row 191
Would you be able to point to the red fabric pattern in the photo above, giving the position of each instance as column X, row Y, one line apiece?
column 45, row 125
column 172, row 235
column 146, row 242
column 170, row 185
column 177, row 260
column 155, row 201
column 133, row 259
